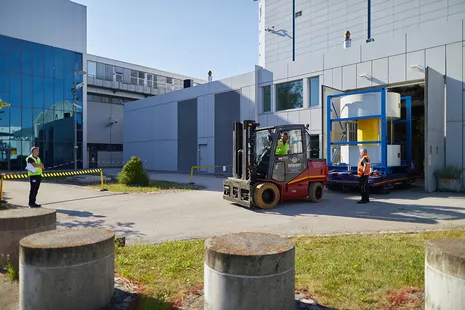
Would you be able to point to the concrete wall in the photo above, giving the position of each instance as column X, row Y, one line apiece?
column 322, row 24
column 438, row 45
column 154, row 124
column 98, row 123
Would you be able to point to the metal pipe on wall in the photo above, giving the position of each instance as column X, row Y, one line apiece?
column 293, row 30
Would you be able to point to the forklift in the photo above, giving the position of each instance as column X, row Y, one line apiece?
column 265, row 173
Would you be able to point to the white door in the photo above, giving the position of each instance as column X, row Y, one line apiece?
column 203, row 157
column 434, row 126
column 336, row 131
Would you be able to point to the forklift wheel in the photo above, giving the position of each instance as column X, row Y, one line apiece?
column 315, row 192
column 266, row 195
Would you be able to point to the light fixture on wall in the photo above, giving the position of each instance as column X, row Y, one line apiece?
column 364, row 75
column 418, row 67
column 112, row 121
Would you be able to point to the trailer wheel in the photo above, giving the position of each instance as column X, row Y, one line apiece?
column 266, row 195
column 315, row 192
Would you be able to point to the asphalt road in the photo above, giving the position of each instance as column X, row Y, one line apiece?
column 172, row 216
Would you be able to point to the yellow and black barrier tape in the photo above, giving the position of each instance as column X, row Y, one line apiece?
column 16, row 176
column 13, row 176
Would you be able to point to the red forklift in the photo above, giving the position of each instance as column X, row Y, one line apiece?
column 264, row 175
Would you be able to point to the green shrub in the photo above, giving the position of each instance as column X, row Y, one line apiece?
column 449, row 172
column 133, row 173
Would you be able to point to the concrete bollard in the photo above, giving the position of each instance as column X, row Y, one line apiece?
column 445, row 274
column 249, row 271
column 16, row 224
column 67, row 269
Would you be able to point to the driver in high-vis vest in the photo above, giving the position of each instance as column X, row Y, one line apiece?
column 282, row 148
column 35, row 175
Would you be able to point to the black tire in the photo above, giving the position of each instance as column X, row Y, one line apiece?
column 266, row 196
column 315, row 192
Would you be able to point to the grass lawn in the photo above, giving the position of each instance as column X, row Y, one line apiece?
column 154, row 186
column 345, row 272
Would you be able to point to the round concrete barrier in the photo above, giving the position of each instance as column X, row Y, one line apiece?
column 16, row 224
column 249, row 271
column 67, row 269
column 445, row 274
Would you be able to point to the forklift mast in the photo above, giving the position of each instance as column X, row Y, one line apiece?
column 244, row 142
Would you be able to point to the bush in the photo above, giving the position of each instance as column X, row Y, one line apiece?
column 449, row 172
column 133, row 173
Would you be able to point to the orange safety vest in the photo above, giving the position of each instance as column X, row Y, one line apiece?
column 360, row 166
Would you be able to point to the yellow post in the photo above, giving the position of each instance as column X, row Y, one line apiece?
column 102, row 185
column 192, row 173
column 1, row 188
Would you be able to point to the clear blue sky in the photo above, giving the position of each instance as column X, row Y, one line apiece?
column 182, row 36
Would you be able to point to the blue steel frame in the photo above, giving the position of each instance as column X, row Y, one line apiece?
column 381, row 168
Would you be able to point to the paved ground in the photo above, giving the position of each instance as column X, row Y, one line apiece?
column 160, row 217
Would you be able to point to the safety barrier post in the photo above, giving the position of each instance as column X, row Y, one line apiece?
column 192, row 173
column 1, row 189
column 102, row 186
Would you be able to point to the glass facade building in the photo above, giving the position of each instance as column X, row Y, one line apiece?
column 37, row 81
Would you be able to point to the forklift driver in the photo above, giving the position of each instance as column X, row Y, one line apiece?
column 283, row 145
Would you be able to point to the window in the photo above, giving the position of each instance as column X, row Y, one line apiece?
column 100, row 71
column 352, row 131
column 295, row 141
column 267, row 98
column 289, row 95
column 313, row 146
column 314, row 85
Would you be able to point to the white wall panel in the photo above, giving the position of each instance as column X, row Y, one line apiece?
column 349, row 74
column 434, row 34
column 328, row 78
column 293, row 117
column 342, row 57
column 263, row 120
column 305, row 65
column 436, row 58
column 379, row 49
column 315, row 119
column 416, row 58
column 337, row 78
column 364, row 68
column 380, row 72
column 397, row 69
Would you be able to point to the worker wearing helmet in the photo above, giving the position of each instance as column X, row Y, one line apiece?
column 283, row 145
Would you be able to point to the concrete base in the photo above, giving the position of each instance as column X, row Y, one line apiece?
column 249, row 271
column 16, row 224
column 72, row 267
column 445, row 274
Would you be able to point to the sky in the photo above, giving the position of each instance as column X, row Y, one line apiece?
column 180, row 36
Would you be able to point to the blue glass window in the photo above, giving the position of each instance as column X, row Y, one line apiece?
column 58, row 63
column 4, row 81
column 68, row 60
column 314, row 92
column 27, row 56
column 77, row 61
column 4, row 123
column 15, row 90
column 15, row 55
column 26, row 90
column 15, row 119
column 48, row 93
column 68, row 94
column 58, row 94
column 26, row 123
column 48, row 62
column 38, row 60
column 38, row 100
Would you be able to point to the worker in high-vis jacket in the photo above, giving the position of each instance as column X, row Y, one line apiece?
column 34, row 169
column 282, row 148
column 364, row 173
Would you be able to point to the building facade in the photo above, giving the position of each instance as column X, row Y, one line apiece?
column 419, row 57
column 37, row 75
column 319, row 25
column 111, row 84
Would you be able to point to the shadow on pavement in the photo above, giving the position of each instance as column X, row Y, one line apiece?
column 126, row 229
column 378, row 209
column 79, row 213
column 85, row 198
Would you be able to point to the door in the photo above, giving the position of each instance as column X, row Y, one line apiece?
column 335, row 132
column 203, row 157
column 93, row 159
column 434, row 126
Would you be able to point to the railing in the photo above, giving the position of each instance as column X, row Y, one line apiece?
column 161, row 87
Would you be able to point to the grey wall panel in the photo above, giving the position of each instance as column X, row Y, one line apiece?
column 227, row 111
column 187, row 134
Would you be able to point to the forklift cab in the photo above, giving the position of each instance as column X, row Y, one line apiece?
column 282, row 166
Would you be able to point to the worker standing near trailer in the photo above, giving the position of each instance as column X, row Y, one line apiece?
column 364, row 174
